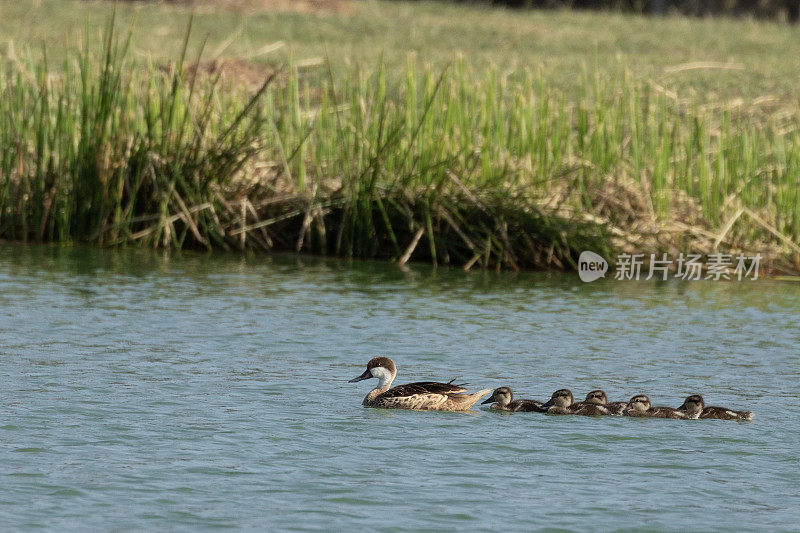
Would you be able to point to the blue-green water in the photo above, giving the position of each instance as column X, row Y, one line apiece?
column 194, row 392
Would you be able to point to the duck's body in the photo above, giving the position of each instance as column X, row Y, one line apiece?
column 723, row 413
column 421, row 396
column 598, row 397
column 504, row 401
column 695, row 408
column 639, row 406
column 561, row 403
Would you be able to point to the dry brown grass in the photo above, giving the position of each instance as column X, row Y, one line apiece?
column 233, row 72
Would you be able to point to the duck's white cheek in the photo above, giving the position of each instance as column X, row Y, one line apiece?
column 383, row 375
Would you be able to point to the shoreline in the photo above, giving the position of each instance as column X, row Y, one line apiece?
column 477, row 169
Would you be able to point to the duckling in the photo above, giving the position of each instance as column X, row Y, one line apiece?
column 505, row 401
column 598, row 397
column 639, row 406
column 421, row 396
column 561, row 403
column 695, row 408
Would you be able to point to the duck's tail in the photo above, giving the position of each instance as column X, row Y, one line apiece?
column 464, row 401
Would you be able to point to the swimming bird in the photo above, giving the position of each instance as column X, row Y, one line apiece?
column 561, row 403
column 422, row 396
column 695, row 408
column 639, row 406
column 598, row 397
column 505, row 401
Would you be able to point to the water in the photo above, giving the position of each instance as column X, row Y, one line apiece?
column 196, row 392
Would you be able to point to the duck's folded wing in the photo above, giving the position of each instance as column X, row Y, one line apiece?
column 529, row 406
column 666, row 412
column 724, row 413
column 589, row 409
column 616, row 407
column 422, row 388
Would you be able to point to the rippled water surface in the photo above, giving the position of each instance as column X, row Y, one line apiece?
column 195, row 392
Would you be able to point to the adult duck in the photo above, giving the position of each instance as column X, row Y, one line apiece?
column 421, row 396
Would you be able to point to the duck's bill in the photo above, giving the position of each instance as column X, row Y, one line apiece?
column 489, row 400
column 548, row 403
column 366, row 375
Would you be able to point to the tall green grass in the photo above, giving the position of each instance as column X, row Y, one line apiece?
column 486, row 168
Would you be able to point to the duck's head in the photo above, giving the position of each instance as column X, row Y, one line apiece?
column 640, row 402
column 381, row 368
column 597, row 397
column 693, row 404
column 560, row 398
column 502, row 395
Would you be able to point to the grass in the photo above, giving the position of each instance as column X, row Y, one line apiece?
column 560, row 44
column 462, row 164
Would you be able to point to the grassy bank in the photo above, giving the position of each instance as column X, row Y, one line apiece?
column 714, row 59
column 461, row 164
